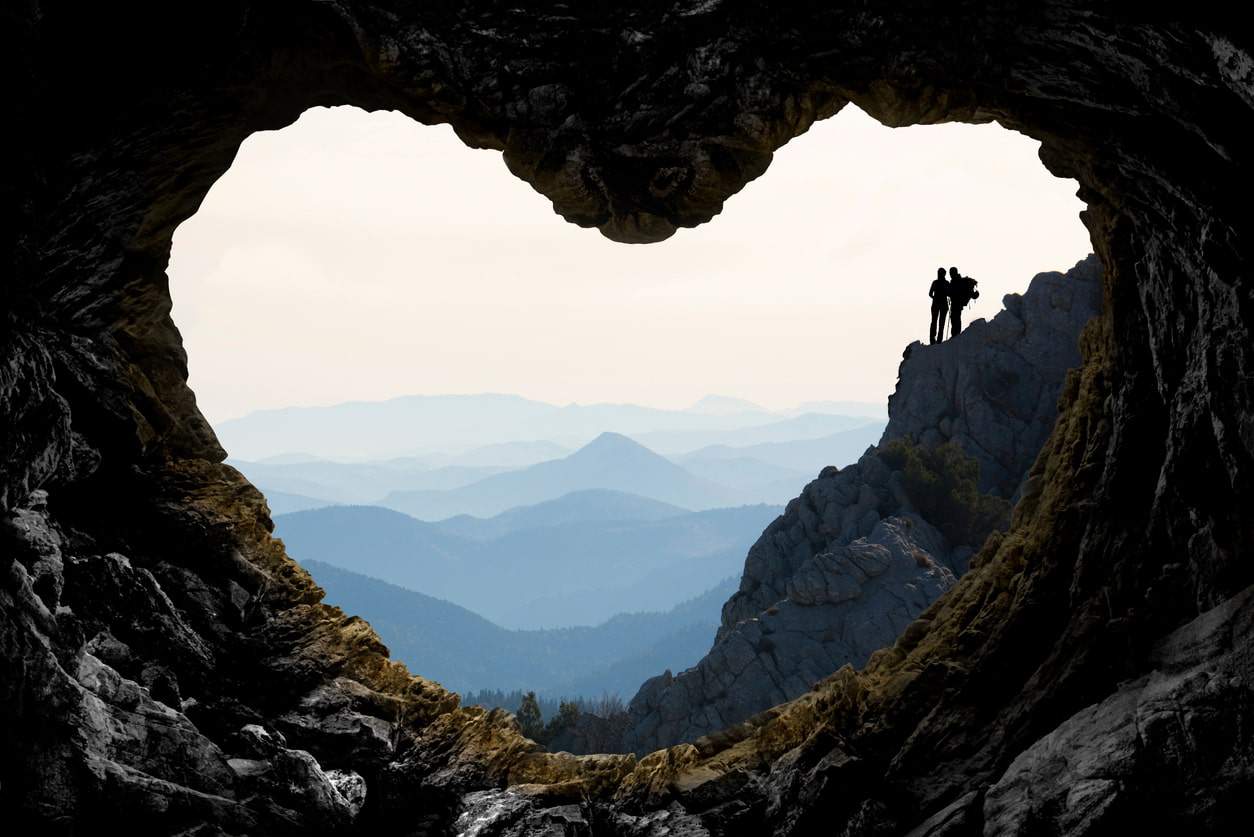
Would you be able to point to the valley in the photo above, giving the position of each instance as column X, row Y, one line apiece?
column 496, row 564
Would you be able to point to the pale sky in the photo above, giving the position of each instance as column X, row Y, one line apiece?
column 356, row 256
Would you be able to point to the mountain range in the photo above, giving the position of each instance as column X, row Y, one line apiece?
column 358, row 482
column 547, row 567
column 434, row 428
column 597, row 504
column 795, row 456
column 804, row 426
column 609, row 459
column 465, row 652
column 436, row 488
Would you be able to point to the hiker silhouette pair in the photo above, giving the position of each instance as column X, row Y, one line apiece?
column 949, row 295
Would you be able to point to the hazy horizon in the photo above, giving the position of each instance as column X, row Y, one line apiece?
column 785, row 409
column 364, row 257
column 362, row 431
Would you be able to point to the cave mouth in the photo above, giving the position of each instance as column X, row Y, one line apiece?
column 1124, row 567
column 345, row 245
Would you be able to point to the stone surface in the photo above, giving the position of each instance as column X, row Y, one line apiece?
column 1117, row 764
column 851, row 563
column 994, row 390
column 637, row 119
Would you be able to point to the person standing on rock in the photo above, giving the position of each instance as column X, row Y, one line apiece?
column 961, row 291
column 939, row 292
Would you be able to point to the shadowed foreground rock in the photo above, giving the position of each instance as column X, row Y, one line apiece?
column 148, row 622
column 1103, row 767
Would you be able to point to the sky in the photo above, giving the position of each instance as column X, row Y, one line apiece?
column 355, row 256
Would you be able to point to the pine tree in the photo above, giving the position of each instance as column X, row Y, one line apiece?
column 529, row 719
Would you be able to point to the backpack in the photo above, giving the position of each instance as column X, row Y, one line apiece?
column 963, row 290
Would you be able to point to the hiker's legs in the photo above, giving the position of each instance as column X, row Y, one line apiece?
column 937, row 331
column 955, row 322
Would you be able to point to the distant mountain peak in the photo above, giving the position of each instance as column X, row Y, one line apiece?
column 720, row 405
column 618, row 450
column 611, row 441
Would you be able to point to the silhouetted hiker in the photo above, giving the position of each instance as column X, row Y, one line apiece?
column 939, row 292
column 961, row 291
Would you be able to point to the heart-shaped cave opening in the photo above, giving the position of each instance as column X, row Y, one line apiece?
column 167, row 665
column 513, row 447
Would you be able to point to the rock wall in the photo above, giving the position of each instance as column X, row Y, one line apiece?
column 637, row 119
column 1099, row 770
column 851, row 562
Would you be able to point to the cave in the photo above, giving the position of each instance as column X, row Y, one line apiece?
column 1090, row 675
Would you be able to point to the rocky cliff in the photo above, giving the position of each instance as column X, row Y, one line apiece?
column 148, row 621
column 994, row 390
column 854, row 560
